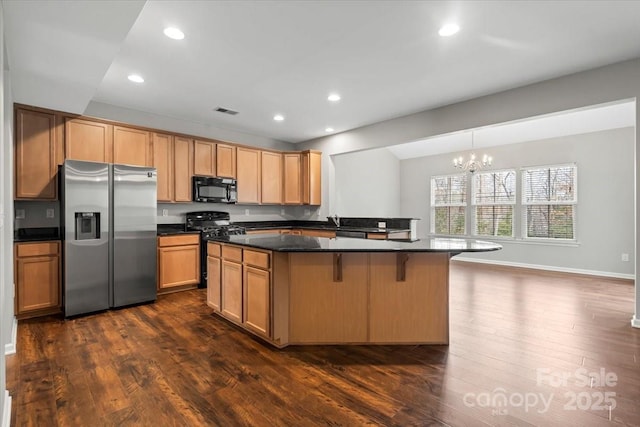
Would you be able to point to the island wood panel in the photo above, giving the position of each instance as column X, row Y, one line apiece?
column 413, row 309
column 280, row 294
column 35, row 155
column 318, row 233
column 214, row 271
column 323, row 310
column 182, row 169
column 204, row 158
column 88, row 140
column 131, row 146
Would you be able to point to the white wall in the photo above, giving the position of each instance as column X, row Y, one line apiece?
column 610, row 83
column 605, row 168
column 367, row 184
column 6, row 228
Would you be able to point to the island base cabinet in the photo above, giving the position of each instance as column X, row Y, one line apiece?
column 257, row 311
column 328, row 298
column 231, row 303
column 409, row 298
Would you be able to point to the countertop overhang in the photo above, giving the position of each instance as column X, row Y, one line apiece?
column 295, row 243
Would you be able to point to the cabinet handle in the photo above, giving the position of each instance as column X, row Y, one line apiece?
column 337, row 267
column 401, row 266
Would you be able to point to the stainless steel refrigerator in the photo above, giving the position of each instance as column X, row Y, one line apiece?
column 108, row 215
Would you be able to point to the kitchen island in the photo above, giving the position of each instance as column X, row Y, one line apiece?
column 294, row 290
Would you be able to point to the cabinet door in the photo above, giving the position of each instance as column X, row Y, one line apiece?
column 178, row 265
column 328, row 297
column 257, row 300
column 292, row 179
column 88, row 140
column 35, row 155
column 226, row 160
column 182, row 168
column 163, row 162
column 248, row 175
column 131, row 147
column 394, row 314
column 271, row 164
column 38, row 283
column 231, row 302
column 204, row 158
column 311, row 178
column 214, row 288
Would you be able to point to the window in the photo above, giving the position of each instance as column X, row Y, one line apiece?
column 448, row 204
column 494, row 195
column 549, row 199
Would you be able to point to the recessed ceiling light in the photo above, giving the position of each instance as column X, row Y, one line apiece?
column 173, row 33
column 135, row 78
column 449, row 30
column 328, row 130
column 278, row 117
column 334, row 97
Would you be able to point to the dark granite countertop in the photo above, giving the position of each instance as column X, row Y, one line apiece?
column 293, row 243
column 312, row 225
column 39, row 234
column 168, row 229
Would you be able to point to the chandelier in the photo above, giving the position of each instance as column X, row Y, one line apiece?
column 472, row 164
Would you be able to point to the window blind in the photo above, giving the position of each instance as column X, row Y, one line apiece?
column 494, row 196
column 448, row 204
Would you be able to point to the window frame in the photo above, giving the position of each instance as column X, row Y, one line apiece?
column 464, row 204
column 524, row 204
column 474, row 204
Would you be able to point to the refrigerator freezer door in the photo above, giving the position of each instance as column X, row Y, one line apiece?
column 85, row 194
column 134, row 248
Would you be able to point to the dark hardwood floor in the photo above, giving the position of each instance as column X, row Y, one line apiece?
column 523, row 344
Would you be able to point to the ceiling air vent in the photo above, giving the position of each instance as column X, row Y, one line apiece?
column 225, row 111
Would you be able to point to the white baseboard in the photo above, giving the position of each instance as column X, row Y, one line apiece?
column 6, row 411
column 10, row 348
column 635, row 322
column 549, row 268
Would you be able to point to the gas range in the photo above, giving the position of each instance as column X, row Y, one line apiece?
column 210, row 224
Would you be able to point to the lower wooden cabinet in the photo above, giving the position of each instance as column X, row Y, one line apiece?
column 178, row 262
column 37, row 278
column 239, row 286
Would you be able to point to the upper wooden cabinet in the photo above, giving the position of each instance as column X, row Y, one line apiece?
column 312, row 178
column 163, row 162
column 88, row 140
column 36, row 155
column 226, row 160
column 292, row 178
column 248, row 175
column 131, row 146
column 271, row 177
column 182, row 168
column 204, row 158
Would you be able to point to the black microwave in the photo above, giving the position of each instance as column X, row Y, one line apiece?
column 214, row 190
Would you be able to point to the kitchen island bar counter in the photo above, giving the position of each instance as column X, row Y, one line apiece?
column 293, row 243
column 299, row 290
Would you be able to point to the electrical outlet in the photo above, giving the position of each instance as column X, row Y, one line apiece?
column 20, row 214
column 625, row 257
column 165, row 212
column 382, row 224
column 50, row 213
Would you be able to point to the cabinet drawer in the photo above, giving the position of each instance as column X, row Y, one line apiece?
column 179, row 240
column 231, row 253
column 257, row 259
column 37, row 249
column 213, row 249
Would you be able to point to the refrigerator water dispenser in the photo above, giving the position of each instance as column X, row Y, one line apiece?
column 87, row 225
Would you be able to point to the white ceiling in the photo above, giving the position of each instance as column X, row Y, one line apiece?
column 265, row 57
